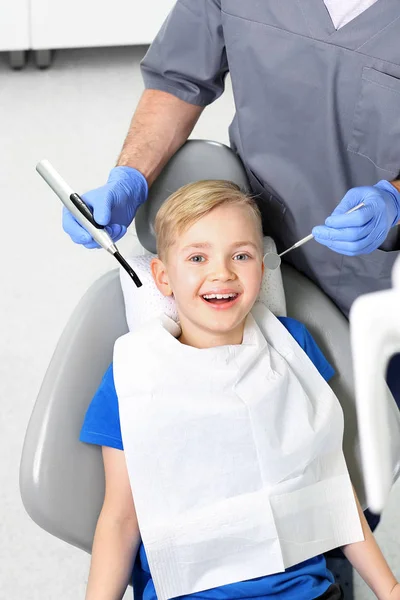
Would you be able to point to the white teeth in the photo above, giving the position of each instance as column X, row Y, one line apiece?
column 218, row 296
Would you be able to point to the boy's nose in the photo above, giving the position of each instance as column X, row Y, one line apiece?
column 221, row 272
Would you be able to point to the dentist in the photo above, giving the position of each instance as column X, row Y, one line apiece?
column 316, row 87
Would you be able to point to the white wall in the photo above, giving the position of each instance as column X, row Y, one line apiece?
column 76, row 114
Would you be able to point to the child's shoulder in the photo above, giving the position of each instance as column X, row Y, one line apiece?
column 297, row 329
column 306, row 341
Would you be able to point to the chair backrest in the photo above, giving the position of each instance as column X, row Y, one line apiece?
column 196, row 160
column 62, row 479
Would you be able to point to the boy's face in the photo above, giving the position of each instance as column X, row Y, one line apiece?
column 221, row 254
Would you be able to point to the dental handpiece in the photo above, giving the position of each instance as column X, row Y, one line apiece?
column 82, row 213
column 272, row 260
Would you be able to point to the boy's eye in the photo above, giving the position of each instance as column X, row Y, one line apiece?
column 241, row 256
column 197, row 258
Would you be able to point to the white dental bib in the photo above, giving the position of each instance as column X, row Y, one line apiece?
column 234, row 455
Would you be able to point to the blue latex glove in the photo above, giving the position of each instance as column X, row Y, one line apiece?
column 364, row 230
column 114, row 204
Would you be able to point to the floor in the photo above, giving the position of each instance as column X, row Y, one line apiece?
column 75, row 114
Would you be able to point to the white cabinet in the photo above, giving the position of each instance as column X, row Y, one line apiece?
column 14, row 25
column 83, row 23
column 45, row 25
column 14, row 30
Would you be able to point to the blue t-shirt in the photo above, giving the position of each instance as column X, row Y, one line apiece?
column 304, row 581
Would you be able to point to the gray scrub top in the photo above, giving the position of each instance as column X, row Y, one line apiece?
column 317, row 113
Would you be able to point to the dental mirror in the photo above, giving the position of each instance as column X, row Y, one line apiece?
column 272, row 260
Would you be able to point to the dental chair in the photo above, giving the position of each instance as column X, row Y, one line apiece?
column 62, row 479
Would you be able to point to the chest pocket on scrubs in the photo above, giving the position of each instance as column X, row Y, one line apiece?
column 376, row 125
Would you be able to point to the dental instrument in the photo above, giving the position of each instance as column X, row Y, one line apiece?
column 82, row 213
column 272, row 260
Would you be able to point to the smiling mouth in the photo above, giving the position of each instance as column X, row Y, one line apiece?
column 218, row 299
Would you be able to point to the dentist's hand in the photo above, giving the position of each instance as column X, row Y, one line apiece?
column 365, row 229
column 114, row 204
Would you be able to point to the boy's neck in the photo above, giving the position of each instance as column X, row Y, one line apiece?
column 197, row 338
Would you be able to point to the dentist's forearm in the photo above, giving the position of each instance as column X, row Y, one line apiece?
column 160, row 126
column 367, row 558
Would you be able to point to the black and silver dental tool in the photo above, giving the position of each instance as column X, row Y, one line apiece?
column 82, row 213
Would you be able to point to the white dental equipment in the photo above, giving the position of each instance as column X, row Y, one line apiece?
column 375, row 337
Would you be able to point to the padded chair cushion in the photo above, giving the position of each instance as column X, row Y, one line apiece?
column 146, row 302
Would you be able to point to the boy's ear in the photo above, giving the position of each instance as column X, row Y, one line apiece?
column 160, row 276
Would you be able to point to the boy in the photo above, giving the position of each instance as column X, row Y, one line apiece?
column 231, row 438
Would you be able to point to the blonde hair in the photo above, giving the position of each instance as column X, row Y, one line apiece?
column 192, row 202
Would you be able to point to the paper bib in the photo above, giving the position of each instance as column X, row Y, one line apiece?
column 234, row 455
